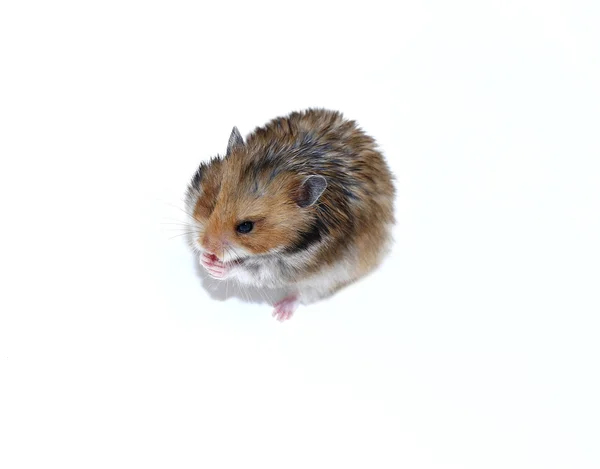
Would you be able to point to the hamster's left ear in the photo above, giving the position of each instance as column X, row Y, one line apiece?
column 235, row 140
column 310, row 190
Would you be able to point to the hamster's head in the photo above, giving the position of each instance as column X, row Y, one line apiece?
column 243, row 208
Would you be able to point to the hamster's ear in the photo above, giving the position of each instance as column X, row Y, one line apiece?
column 310, row 190
column 235, row 140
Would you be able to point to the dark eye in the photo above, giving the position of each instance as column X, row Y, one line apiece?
column 244, row 227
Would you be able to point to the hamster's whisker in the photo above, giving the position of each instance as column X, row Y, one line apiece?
column 237, row 284
column 229, row 250
column 180, row 231
column 181, row 234
column 226, row 288
column 269, row 298
column 179, row 208
column 180, row 228
column 176, row 219
column 243, row 291
column 176, row 223
column 263, row 293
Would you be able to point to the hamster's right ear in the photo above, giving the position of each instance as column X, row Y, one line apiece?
column 310, row 190
column 235, row 140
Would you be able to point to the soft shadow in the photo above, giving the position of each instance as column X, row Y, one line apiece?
column 223, row 290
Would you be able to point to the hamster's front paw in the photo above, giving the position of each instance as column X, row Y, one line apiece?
column 215, row 268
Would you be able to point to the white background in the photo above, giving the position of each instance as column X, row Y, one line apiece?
column 476, row 345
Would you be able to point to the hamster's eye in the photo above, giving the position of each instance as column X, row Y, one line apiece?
column 244, row 227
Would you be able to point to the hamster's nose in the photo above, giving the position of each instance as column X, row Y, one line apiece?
column 212, row 246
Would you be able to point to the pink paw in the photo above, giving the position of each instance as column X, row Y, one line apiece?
column 285, row 308
column 214, row 267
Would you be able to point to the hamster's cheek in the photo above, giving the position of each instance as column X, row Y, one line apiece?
column 195, row 236
column 234, row 252
column 267, row 240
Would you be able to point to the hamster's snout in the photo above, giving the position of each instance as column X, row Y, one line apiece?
column 214, row 246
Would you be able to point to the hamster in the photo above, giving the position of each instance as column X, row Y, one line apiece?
column 305, row 202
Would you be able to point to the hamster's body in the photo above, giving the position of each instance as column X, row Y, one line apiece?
column 306, row 202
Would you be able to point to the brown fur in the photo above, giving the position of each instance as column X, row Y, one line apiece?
column 276, row 218
column 211, row 185
column 260, row 181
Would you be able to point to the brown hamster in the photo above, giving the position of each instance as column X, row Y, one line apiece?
column 305, row 202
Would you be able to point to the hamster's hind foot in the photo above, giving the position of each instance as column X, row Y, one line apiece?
column 285, row 308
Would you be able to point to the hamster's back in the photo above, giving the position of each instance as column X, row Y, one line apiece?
column 356, row 211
